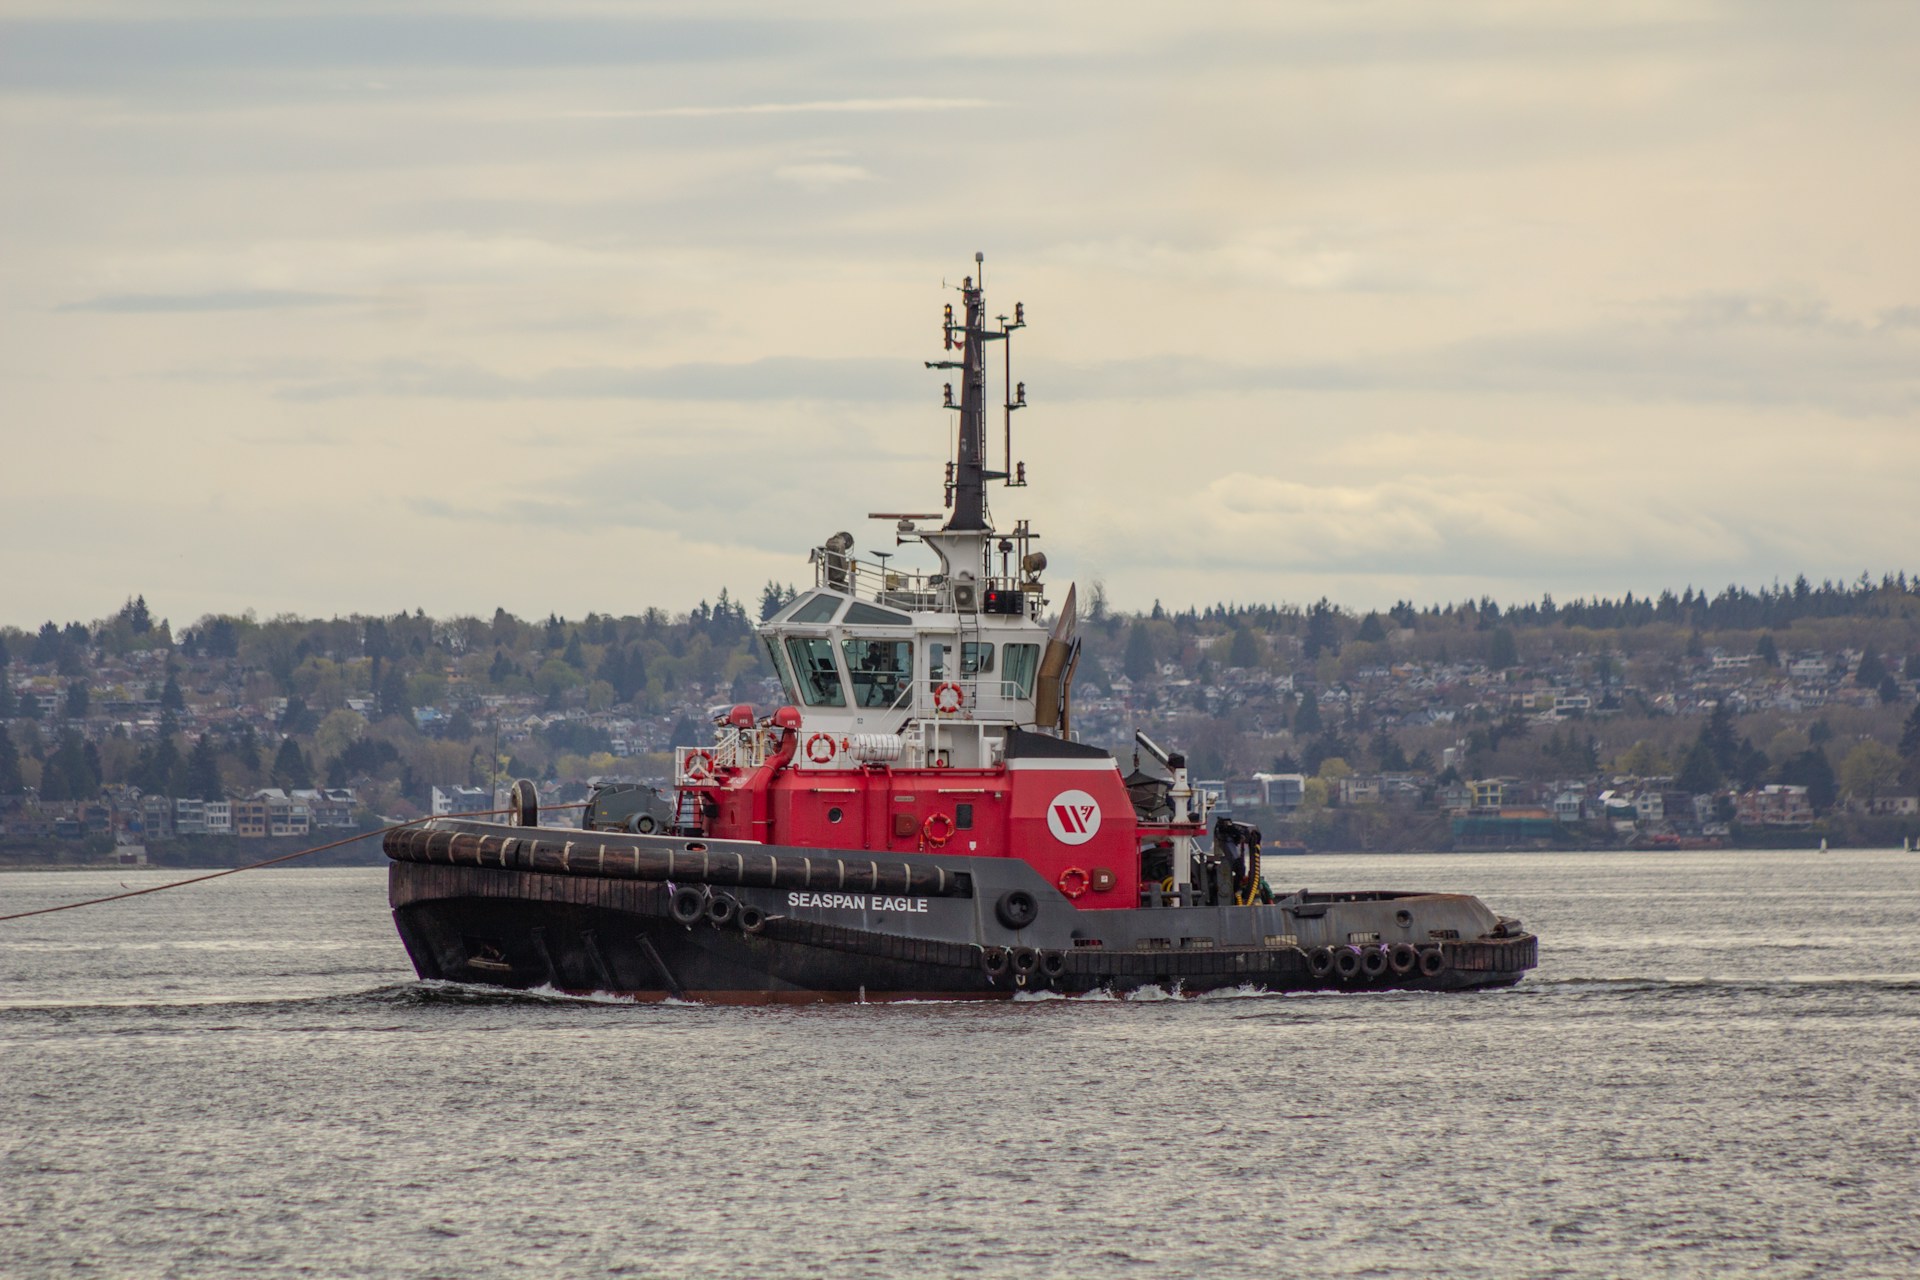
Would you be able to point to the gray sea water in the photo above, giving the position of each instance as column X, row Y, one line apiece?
column 1715, row 1071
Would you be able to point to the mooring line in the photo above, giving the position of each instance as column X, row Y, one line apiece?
column 266, row 862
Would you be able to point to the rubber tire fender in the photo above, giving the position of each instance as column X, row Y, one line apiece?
column 1053, row 963
column 688, row 905
column 1017, row 909
column 722, row 908
column 1320, row 962
column 1025, row 961
column 1433, row 962
column 996, row 962
column 750, row 918
column 1404, row 959
column 1374, row 962
column 1346, row 963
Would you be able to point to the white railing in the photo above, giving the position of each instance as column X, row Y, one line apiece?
column 731, row 749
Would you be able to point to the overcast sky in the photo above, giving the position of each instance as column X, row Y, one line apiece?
column 330, row 308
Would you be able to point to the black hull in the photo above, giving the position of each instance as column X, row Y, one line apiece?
column 583, row 933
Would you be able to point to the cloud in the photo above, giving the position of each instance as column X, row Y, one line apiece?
column 213, row 300
column 840, row 106
column 821, row 175
column 774, row 378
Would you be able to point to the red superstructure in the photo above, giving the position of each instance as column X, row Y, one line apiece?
column 930, row 711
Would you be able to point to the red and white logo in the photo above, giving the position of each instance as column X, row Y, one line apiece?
column 1073, row 817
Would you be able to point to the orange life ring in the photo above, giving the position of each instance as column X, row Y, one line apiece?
column 940, row 703
column 1073, row 882
column 938, row 829
column 698, row 765
column 816, row 740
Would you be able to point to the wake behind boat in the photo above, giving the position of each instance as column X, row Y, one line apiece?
column 919, row 819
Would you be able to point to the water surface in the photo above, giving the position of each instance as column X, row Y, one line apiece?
column 1714, row 1071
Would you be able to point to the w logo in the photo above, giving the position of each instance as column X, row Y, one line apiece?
column 1073, row 817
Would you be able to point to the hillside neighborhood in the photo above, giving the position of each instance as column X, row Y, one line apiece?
column 1784, row 716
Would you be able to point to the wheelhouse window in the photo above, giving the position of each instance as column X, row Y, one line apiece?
column 881, row 670
column 814, row 669
column 976, row 658
column 861, row 614
column 1019, row 663
column 817, row 608
column 780, row 668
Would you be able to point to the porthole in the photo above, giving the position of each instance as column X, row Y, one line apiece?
column 1403, row 918
column 834, row 814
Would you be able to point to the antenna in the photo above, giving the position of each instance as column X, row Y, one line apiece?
column 965, row 340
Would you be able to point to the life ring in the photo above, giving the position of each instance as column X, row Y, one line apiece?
column 1074, row 882
column 938, row 829
column 698, row 765
column 821, row 740
column 941, row 702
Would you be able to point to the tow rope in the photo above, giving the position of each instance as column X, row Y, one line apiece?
column 264, row 862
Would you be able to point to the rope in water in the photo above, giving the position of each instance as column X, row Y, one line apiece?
column 264, row 862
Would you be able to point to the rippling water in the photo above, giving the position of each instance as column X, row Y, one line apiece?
column 1714, row 1071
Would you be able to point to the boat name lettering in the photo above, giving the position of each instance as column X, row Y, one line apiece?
column 857, row 902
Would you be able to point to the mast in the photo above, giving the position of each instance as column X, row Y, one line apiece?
column 970, row 473
column 967, row 474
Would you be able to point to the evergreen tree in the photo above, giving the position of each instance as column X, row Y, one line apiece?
column 138, row 619
column 1372, row 629
column 6, row 659
column 393, row 693
column 1717, row 733
column 1870, row 672
column 1307, row 719
column 222, row 639
column 10, row 779
column 203, row 771
column 1503, row 652
column 1323, row 630
column 77, row 700
column 9, row 705
column 171, row 699
column 1812, row 770
column 1910, row 737
column 1769, row 652
column 46, row 645
column 290, row 768
column 575, row 656
column 1138, row 662
column 1699, row 774
column 1245, row 650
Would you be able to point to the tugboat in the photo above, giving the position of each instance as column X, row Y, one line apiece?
column 919, row 820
